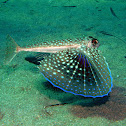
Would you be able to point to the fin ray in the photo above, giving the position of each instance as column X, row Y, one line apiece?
column 11, row 50
column 81, row 71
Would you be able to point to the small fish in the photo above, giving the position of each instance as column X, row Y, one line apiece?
column 47, row 47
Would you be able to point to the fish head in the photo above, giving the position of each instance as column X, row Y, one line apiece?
column 93, row 43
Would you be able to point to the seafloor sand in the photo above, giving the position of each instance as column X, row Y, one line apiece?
column 23, row 90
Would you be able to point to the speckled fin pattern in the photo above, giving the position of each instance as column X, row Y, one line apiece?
column 81, row 71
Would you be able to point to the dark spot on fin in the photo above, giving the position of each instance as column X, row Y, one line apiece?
column 33, row 60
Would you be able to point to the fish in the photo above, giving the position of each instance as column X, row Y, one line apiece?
column 12, row 48
column 74, row 66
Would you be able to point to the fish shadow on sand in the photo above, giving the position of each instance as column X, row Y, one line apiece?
column 111, row 107
column 114, row 107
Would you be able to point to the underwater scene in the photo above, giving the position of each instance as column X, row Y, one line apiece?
column 62, row 63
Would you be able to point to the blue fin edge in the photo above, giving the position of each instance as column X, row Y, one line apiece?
column 82, row 94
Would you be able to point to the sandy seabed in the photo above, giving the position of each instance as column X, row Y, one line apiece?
column 24, row 92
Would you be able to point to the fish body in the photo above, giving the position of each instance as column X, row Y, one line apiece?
column 75, row 66
column 59, row 45
column 47, row 47
column 50, row 49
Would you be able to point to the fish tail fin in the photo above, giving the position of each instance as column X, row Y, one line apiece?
column 11, row 49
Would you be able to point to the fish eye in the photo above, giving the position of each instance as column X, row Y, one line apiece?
column 94, row 41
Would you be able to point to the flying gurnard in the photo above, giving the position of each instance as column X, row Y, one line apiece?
column 74, row 65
